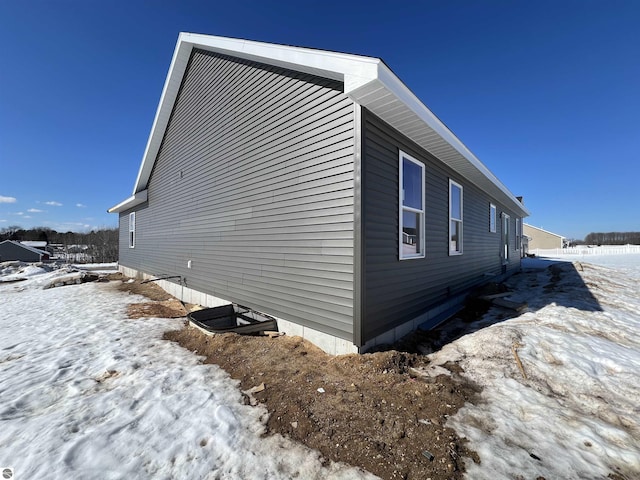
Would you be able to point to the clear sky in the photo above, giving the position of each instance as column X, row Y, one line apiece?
column 545, row 93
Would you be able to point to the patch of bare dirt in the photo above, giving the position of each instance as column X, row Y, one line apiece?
column 369, row 411
column 162, row 304
column 149, row 289
column 365, row 410
column 167, row 309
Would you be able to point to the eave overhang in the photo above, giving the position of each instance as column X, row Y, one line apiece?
column 367, row 81
column 133, row 201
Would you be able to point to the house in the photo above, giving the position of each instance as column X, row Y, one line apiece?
column 10, row 250
column 39, row 244
column 313, row 186
column 542, row 239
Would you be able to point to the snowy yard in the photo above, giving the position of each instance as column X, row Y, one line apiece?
column 577, row 414
column 88, row 393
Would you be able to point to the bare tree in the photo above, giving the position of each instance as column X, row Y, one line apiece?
column 613, row 238
column 95, row 246
column 8, row 233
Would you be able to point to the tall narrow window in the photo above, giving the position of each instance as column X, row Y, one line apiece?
column 411, row 235
column 505, row 238
column 518, row 234
column 132, row 229
column 492, row 218
column 455, row 218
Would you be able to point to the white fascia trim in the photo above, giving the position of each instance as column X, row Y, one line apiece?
column 355, row 71
column 169, row 94
column 133, row 201
column 402, row 92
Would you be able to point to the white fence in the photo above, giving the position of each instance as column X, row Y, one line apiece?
column 587, row 250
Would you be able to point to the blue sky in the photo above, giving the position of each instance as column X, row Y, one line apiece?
column 545, row 93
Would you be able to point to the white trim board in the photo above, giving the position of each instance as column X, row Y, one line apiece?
column 367, row 81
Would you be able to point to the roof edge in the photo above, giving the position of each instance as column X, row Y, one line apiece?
column 542, row 230
column 133, row 201
column 396, row 87
column 27, row 247
column 352, row 70
column 355, row 71
column 168, row 97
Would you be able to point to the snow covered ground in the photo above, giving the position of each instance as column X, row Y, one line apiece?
column 87, row 393
column 577, row 414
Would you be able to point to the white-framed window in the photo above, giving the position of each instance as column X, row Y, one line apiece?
column 518, row 234
column 411, row 231
column 455, row 218
column 506, row 240
column 132, row 229
column 492, row 218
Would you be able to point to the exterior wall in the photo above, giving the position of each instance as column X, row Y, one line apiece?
column 539, row 238
column 327, row 342
column 396, row 291
column 12, row 251
column 253, row 185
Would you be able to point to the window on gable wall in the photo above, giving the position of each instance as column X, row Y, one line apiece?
column 411, row 231
column 492, row 218
column 132, row 229
column 518, row 234
column 455, row 218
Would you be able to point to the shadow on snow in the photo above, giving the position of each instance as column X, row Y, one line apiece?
column 541, row 282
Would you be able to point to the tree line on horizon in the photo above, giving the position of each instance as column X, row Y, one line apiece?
column 95, row 246
column 613, row 238
column 102, row 245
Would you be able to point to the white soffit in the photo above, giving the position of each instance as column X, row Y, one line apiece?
column 133, row 201
column 388, row 98
column 368, row 81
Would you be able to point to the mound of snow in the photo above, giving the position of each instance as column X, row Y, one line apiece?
column 14, row 271
column 31, row 270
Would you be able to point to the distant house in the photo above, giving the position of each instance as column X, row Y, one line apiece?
column 10, row 250
column 539, row 238
column 313, row 186
column 39, row 244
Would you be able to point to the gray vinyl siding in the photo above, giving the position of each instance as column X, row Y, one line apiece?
column 397, row 290
column 254, row 184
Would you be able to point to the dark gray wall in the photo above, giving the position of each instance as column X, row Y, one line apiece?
column 11, row 251
column 396, row 291
column 254, row 184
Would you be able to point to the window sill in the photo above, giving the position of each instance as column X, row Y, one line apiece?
column 417, row 257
